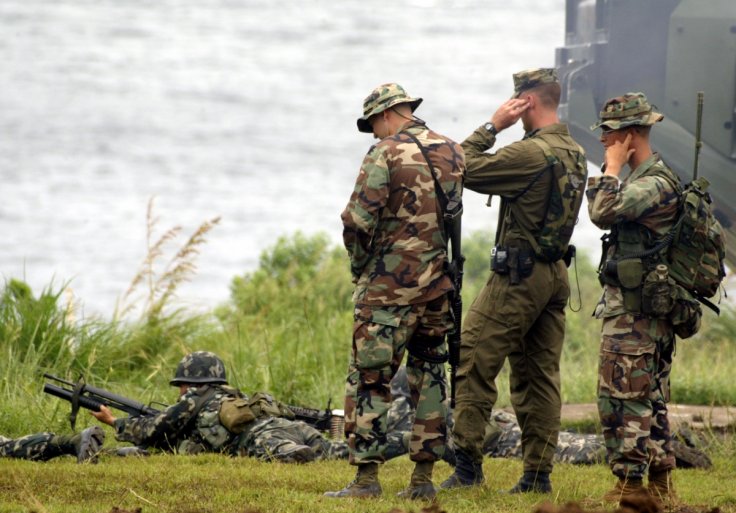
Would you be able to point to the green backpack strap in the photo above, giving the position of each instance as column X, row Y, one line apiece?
column 552, row 160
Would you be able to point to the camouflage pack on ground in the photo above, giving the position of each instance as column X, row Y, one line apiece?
column 698, row 248
column 563, row 204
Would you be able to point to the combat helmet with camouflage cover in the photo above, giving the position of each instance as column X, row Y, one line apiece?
column 382, row 98
column 199, row 367
column 628, row 110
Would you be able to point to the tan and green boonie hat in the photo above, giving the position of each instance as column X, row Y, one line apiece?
column 530, row 78
column 384, row 97
column 627, row 110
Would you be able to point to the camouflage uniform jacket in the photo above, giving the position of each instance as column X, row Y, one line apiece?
column 391, row 232
column 176, row 429
column 643, row 197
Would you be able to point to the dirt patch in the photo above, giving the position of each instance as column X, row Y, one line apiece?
column 696, row 416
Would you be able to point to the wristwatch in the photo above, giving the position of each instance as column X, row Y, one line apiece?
column 491, row 128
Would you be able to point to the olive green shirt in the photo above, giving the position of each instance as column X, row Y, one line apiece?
column 510, row 170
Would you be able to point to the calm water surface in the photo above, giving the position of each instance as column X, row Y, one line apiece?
column 239, row 109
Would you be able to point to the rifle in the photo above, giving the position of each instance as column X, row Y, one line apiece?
column 80, row 394
column 327, row 420
column 452, row 223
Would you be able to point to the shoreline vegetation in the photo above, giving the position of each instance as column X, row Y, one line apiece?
column 286, row 330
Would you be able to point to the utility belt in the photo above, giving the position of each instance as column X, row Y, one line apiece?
column 646, row 287
column 516, row 260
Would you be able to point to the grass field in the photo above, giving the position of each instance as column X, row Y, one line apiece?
column 286, row 329
column 217, row 484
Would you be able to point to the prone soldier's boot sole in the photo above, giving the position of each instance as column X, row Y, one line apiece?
column 90, row 444
column 298, row 454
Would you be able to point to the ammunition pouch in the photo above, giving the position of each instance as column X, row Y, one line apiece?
column 237, row 412
column 517, row 262
column 421, row 346
column 685, row 314
column 627, row 274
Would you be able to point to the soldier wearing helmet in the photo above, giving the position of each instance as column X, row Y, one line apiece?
column 520, row 314
column 637, row 339
column 398, row 258
column 212, row 416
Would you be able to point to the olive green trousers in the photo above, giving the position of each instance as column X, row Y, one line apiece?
column 524, row 323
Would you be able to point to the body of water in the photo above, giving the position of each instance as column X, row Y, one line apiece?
column 239, row 109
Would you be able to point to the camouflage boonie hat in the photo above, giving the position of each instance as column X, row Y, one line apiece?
column 530, row 78
column 199, row 367
column 384, row 97
column 627, row 110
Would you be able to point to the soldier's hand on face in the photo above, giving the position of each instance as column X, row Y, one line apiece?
column 509, row 113
column 104, row 415
column 618, row 153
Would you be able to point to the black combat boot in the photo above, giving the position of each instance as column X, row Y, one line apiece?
column 364, row 485
column 85, row 445
column 537, row 482
column 420, row 486
column 467, row 472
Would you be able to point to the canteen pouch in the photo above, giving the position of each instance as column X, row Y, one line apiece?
column 236, row 414
column 630, row 272
column 657, row 296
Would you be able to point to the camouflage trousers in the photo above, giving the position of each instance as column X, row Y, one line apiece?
column 31, row 447
column 277, row 439
column 633, row 391
column 380, row 337
column 524, row 323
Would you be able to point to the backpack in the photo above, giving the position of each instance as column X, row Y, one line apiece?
column 697, row 252
column 563, row 204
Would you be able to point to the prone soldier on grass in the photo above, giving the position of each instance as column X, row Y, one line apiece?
column 212, row 416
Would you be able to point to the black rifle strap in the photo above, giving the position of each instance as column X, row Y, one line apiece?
column 78, row 390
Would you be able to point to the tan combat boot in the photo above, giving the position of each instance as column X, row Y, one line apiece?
column 420, row 485
column 661, row 488
column 624, row 487
column 364, row 485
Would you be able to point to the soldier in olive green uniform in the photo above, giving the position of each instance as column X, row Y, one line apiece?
column 639, row 317
column 520, row 314
column 44, row 446
column 398, row 256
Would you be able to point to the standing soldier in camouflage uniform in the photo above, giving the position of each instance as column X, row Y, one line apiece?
column 398, row 255
column 520, row 314
column 44, row 446
column 211, row 416
column 637, row 340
